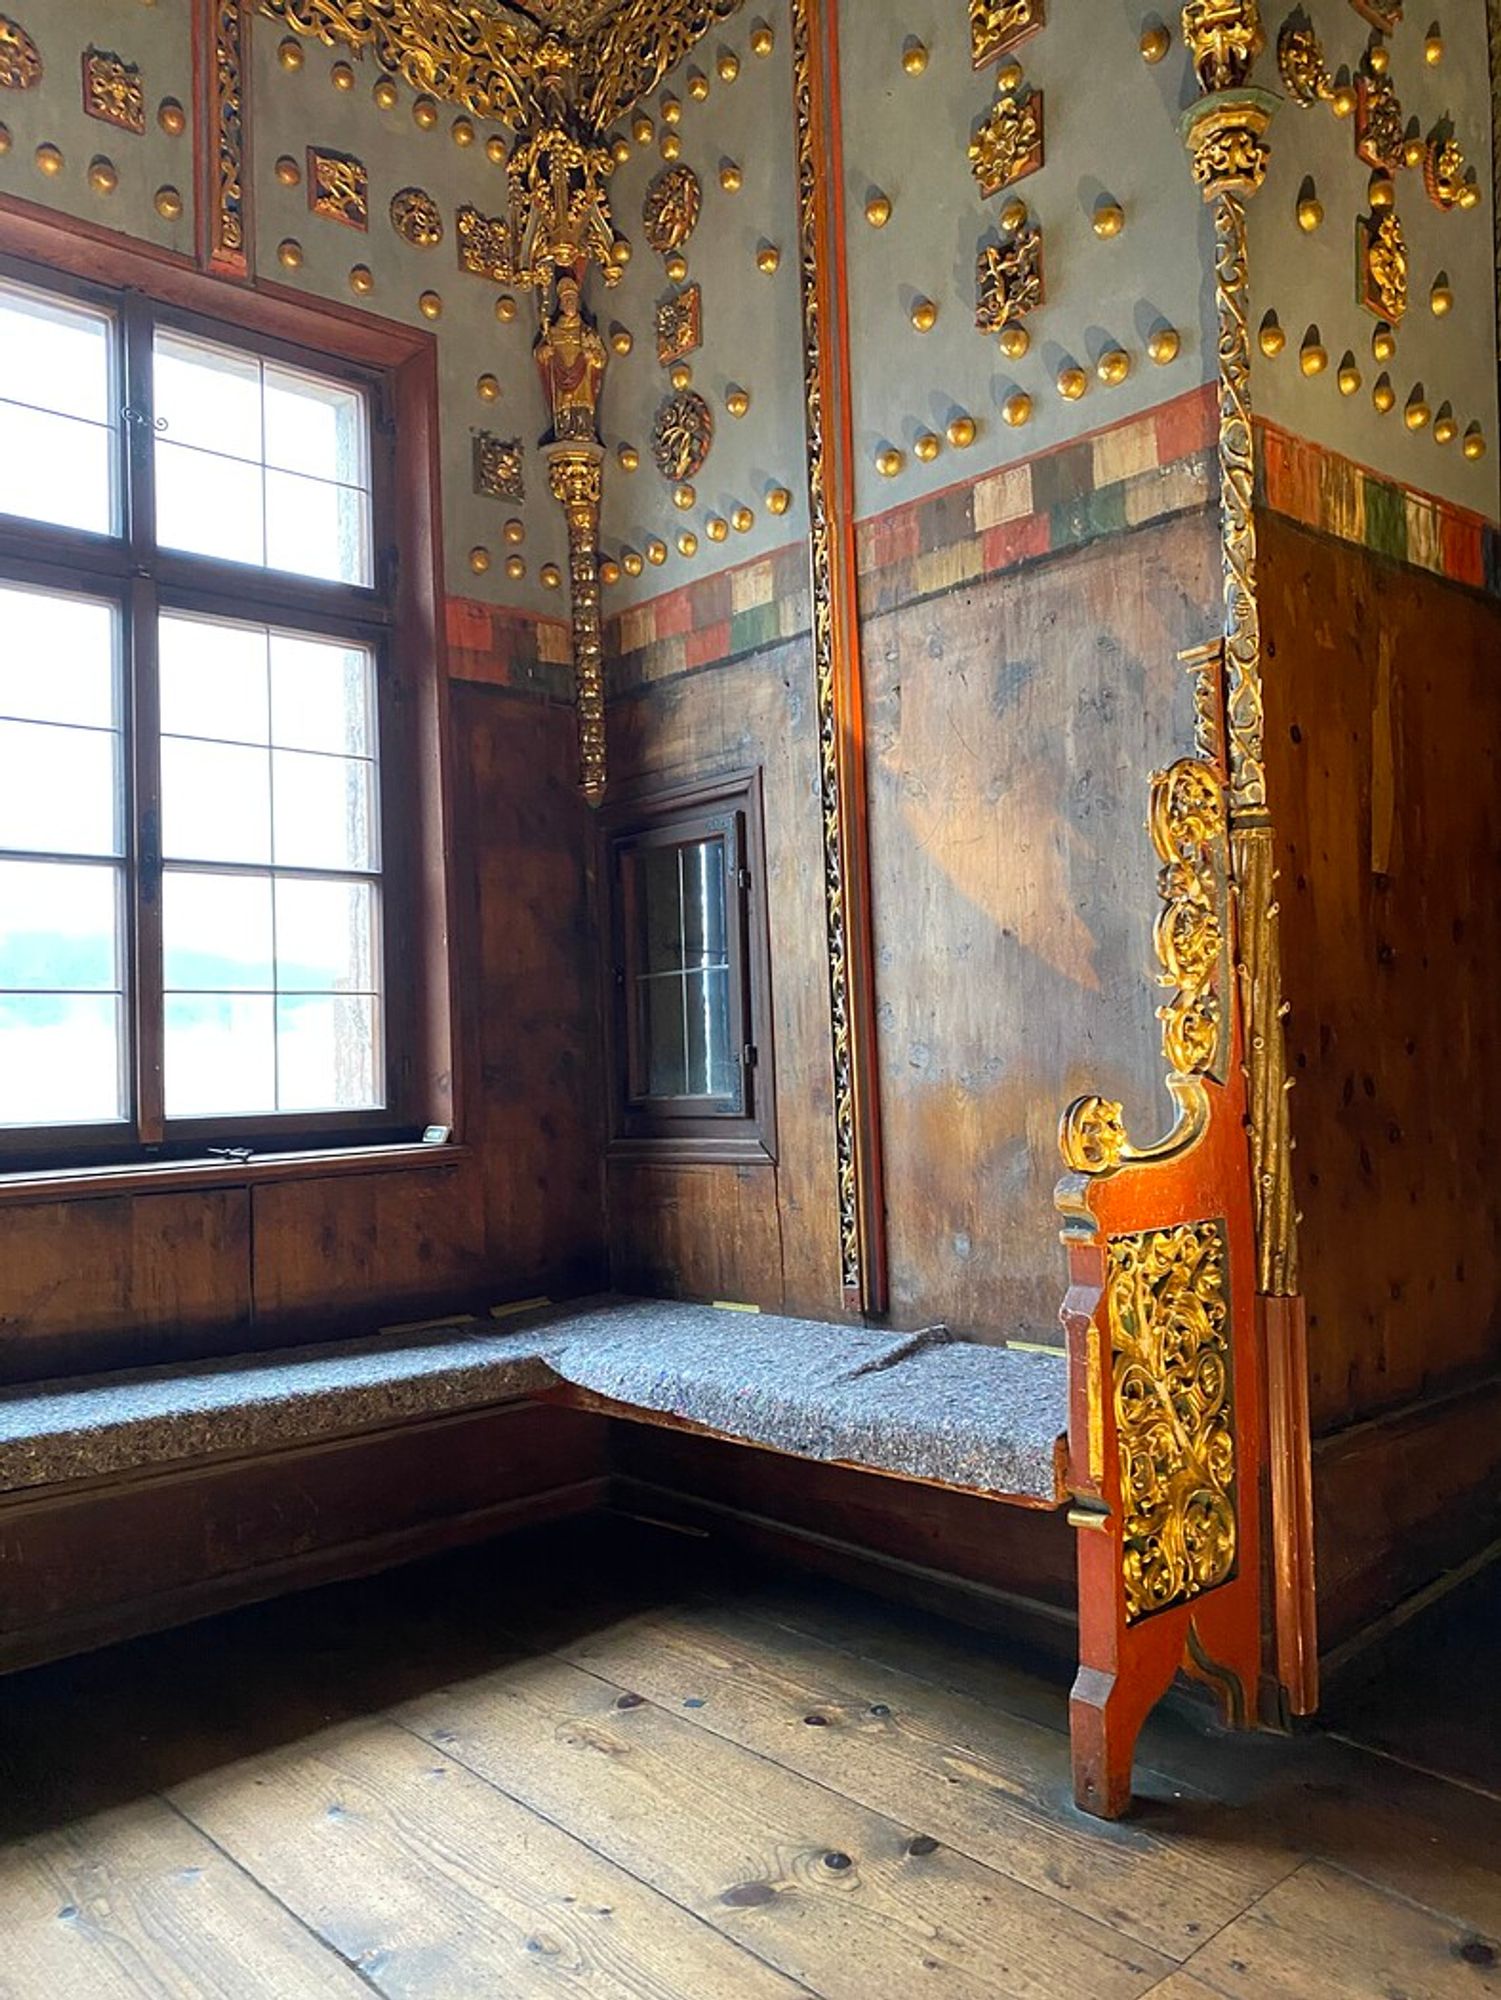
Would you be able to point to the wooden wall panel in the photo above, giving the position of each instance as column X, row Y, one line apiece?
column 1384, row 742
column 660, row 1244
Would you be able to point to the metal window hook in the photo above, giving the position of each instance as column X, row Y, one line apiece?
column 136, row 419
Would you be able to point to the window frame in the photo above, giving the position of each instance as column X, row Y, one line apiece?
column 676, row 815
column 395, row 615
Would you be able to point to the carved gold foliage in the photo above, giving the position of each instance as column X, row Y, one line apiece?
column 1008, row 280
column 20, row 59
column 629, row 53
column 1172, row 1388
column 1224, row 38
column 338, row 187
column 416, row 218
column 1008, row 144
column 998, row 25
column 112, row 90
column 1301, row 62
column 1383, row 265
column 574, row 475
column 1444, row 171
column 679, row 325
column 484, row 243
column 1227, row 146
column 498, row 473
column 670, row 210
column 682, row 435
column 226, row 246
column 1380, row 128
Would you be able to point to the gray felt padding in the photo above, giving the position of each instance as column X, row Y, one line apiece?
column 924, row 1405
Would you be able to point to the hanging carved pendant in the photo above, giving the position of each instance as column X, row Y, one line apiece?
column 1008, row 145
column 112, row 90
column 1301, row 61
column 416, row 218
column 498, row 467
column 20, row 59
column 681, row 436
column 1224, row 38
column 1380, row 134
column 998, row 25
column 1008, row 281
column 338, row 187
column 670, row 211
column 484, row 245
column 680, row 328
column 1382, row 276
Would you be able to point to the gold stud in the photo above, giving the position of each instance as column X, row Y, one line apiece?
column 717, row 528
column 656, row 552
column 425, row 114
column 1416, row 413
column 1271, row 337
column 926, row 446
column 737, row 402
column 768, row 257
column 290, row 53
column 1474, row 444
column 730, row 177
column 620, row 252
column 672, row 146
column 505, row 308
column 479, row 561
column 1380, row 191
column 684, row 497
column 914, row 58
column 514, row 531
column 1154, row 43
column 1445, row 429
column 1113, row 367
column 1441, row 298
column 924, row 315
column 778, row 500
column 687, row 543
column 1017, row 409
column 742, row 520
column 680, row 375
column 1433, row 47
column 1378, row 58
column 104, row 177
column 629, row 457
column 642, row 129
column 515, row 568
column 49, row 160
column 620, row 151
column 698, row 85
column 622, row 339
column 551, row 576
column 632, row 562
column 362, row 279
column 1342, row 100
column 289, row 255
column 1014, row 341
column 488, row 388
column 672, row 111
column 1310, row 213
column 878, row 211
column 172, row 118
column 676, row 266
column 889, row 461
column 1383, row 395
column 1313, row 356
column 341, row 76
column 1165, row 345
column 168, row 203
column 430, row 305
column 962, row 432
column 1349, row 375
column 728, row 66
column 1072, row 383
column 1383, row 343
column 1109, row 220
column 1008, row 77
column 1014, row 214
column 462, row 131
column 609, row 572
column 1469, row 194
column 287, row 171
column 383, row 94
column 762, row 40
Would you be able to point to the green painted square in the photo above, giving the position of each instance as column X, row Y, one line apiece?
column 1386, row 519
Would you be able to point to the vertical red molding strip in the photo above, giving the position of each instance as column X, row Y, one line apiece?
column 220, row 137
column 837, row 662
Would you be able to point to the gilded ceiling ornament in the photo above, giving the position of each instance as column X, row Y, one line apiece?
column 1383, row 266
column 1380, row 129
column 498, row 467
column 670, row 211
column 571, row 359
column 338, row 187
column 1223, row 37
column 1444, row 168
column 1227, row 146
column 484, row 243
column 112, row 90
column 417, row 218
column 681, row 435
column 1383, row 14
column 1300, row 60
column 1008, row 145
column 223, row 227
column 998, row 25
column 20, row 59
column 1008, row 281
column 680, row 325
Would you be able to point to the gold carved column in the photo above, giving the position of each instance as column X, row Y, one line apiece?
column 574, row 473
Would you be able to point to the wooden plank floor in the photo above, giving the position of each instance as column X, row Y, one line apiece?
column 603, row 1761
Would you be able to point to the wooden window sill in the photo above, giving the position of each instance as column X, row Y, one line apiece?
column 180, row 1176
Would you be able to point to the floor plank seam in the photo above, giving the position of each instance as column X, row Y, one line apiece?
column 1486, row 1792
column 1390, row 1895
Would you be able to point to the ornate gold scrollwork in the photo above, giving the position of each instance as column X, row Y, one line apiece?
column 498, row 467
column 1224, row 38
column 670, row 209
column 338, row 186
column 1008, row 281
column 1172, row 1388
column 1383, row 266
column 226, row 245
column 682, row 434
column 1302, row 64
column 112, row 90
column 416, row 218
column 680, row 325
column 998, row 25
column 1445, row 170
column 20, row 59
column 573, row 472
column 1008, row 144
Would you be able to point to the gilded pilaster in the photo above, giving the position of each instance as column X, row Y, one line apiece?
column 574, row 475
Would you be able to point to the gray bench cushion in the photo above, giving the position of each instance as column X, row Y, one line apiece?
column 923, row 1406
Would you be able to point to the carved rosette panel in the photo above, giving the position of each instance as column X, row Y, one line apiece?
column 670, row 210
column 1172, row 1389
column 681, row 436
column 1008, row 281
column 484, row 243
column 998, row 25
column 338, row 187
column 20, row 59
column 1008, row 144
column 498, row 469
column 112, row 90
column 416, row 218
column 680, row 325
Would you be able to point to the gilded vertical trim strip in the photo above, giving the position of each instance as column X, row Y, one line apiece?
column 219, row 137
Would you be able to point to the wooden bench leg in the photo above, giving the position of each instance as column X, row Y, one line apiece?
column 1124, row 1671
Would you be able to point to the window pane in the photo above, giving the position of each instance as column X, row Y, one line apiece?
column 56, row 469
column 703, row 890
column 59, row 927
column 209, row 506
column 661, row 909
column 216, row 802
column 55, row 354
column 317, row 529
column 220, row 1055
column 60, row 1059
column 315, row 426
column 665, row 1056
column 325, row 811
column 207, row 396
column 59, row 789
column 322, row 696
column 328, row 1054
column 706, row 1006
column 216, row 932
column 326, row 937
column 213, row 679
column 57, row 658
